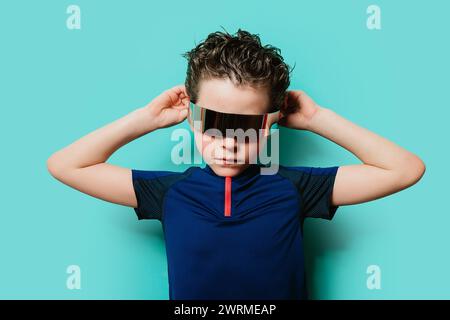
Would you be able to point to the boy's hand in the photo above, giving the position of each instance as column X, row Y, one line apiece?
column 169, row 108
column 298, row 110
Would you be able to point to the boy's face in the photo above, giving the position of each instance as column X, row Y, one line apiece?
column 223, row 96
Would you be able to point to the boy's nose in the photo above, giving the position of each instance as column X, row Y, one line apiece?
column 230, row 144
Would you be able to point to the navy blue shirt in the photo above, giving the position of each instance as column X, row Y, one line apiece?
column 235, row 237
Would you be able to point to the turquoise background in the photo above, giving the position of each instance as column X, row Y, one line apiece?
column 59, row 84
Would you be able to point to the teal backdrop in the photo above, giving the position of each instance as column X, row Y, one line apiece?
column 58, row 84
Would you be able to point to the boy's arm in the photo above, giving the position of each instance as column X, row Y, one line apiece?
column 387, row 168
column 82, row 164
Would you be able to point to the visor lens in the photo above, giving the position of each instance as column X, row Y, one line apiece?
column 210, row 119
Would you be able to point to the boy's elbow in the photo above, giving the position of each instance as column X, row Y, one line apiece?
column 413, row 171
column 54, row 166
column 419, row 170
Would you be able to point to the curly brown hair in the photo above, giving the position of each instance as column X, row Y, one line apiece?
column 240, row 58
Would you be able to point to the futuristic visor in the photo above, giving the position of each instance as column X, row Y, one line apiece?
column 210, row 119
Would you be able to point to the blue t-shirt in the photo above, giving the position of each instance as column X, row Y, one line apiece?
column 235, row 237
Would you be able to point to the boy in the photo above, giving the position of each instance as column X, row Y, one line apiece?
column 232, row 232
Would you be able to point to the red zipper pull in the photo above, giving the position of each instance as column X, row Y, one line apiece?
column 227, row 204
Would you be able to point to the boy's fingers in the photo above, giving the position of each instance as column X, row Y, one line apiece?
column 181, row 115
column 175, row 96
column 181, row 107
column 180, row 90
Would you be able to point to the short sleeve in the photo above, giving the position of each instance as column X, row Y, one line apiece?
column 150, row 188
column 315, row 186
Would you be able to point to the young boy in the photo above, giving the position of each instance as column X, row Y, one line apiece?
column 232, row 232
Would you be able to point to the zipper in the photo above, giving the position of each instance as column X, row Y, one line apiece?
column 227, row 204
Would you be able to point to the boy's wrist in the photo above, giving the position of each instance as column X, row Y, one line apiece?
column 141, row 122
column 315, row 123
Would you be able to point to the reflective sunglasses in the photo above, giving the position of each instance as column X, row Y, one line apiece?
column 210, row 119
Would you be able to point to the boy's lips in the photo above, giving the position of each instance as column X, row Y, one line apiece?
column 227, row 160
